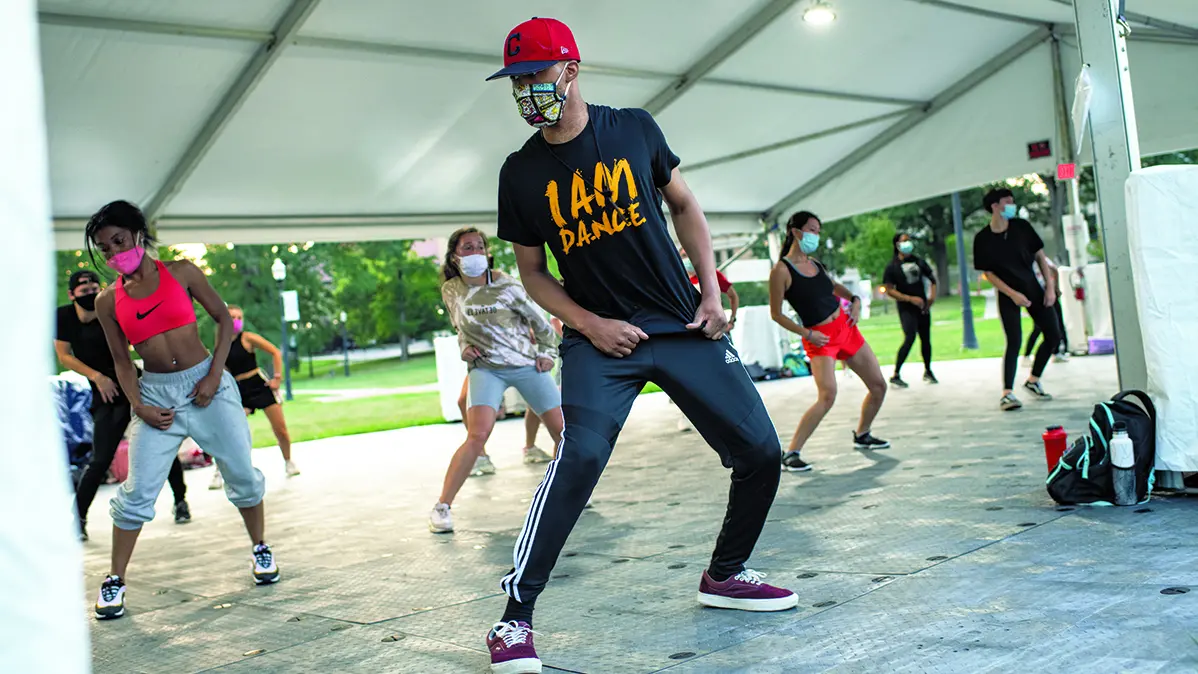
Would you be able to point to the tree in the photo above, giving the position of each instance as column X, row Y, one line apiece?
column 873, row 245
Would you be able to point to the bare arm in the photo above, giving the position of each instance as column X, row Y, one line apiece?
column 1049, row 270
column 118, row 346
column 546, row 291
column 201, row 290
column 842, row 292
column 68, row 360
column 779, row 280
column 733, row 302
column 544, row 336
column 932, row 292
column 693, row 232
column 261, row 343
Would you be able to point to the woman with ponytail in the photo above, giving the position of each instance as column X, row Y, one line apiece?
column 829, row 334
column 903, row 280
column 496, row 322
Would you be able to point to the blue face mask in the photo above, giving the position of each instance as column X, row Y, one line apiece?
column 809, row 243
column 1009, row 211
column 905, row 247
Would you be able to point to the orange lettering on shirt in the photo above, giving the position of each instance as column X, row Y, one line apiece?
column 603, row 226
column 635, row 218
column 580, row 199
column 617, row 221
column 584, row 237
column 555, row 204
column 567, row 240
column 621, row 169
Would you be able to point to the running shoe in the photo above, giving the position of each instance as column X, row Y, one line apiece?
column 182, row 513
column 1036, row 390
column 930, row 378
column 483, row 466
column 265, row 569
column 792, row 463
column 111, row 602
column 868, row 441
column 897, row 382
column 218, row 482
column 1009, row 403
column 292, row 469
column 535, row 455
column 512, row 651
column 440, row 521
column 745, row 592
column 1060, row 358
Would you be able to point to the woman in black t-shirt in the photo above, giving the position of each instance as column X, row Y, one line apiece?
column 829, row 335
column 903, row 280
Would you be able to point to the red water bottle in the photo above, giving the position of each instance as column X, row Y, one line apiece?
column 1054, row 445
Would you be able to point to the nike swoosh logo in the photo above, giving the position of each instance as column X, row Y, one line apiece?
column 140, row 315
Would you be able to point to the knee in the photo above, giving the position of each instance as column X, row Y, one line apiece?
column 826, row 399
column 244, row 489
column 584, row 453
column 477, row 439
column 878, row 386
column 130, row 509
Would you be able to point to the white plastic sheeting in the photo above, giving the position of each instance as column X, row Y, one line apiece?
column 374, row 121
column 42, row 628
column 1162, row 211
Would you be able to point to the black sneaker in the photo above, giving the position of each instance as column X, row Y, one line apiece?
column 897, row 382
column 1036, row 390
column 930, row 378
column 265, row 569
column 111, row 602
column 1009, row 403
column 182, row 513
column 868, row 441
column 792, row 463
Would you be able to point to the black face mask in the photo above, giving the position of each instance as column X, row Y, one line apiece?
column 86, row 302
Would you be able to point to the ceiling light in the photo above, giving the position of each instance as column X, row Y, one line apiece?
column 819, row 14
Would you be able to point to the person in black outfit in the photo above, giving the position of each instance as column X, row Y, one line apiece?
column 1005, row 251
column 81, row 346
column 904, row 278
column 589, row 184
column 1062, row 352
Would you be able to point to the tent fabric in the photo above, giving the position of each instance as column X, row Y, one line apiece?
column 371, row 119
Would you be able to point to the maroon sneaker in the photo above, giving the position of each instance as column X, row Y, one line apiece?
column 511, row 649
column 745, row 592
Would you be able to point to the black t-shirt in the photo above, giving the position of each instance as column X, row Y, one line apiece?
column 906, row 276
column 87, row 341
column 616, row 259
column 1010, row 256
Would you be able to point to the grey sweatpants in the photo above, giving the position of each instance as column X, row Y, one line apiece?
column 220, row 429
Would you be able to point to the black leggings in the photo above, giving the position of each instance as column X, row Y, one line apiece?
column 1031, row 339
column 1046, row 321
column 915, row 321
column 110, row 420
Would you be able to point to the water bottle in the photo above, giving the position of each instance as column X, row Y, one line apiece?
column 1055, row 444
column 1123, row 463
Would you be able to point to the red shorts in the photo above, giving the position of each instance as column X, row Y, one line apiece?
column 844, row 340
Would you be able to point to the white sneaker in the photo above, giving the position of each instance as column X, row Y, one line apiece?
column 292, row 469
column 218, row 482
column 265, row 569
column 440, row 521
column 685, row 425
column 482, row 466
column 111, row 602
column 1061, row 358
column 533, row 455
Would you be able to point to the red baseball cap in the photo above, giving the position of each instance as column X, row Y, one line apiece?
column 535, row 45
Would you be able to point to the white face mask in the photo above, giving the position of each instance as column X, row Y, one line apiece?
column 473, row 265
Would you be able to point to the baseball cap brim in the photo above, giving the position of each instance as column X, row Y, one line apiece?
column 523, row 68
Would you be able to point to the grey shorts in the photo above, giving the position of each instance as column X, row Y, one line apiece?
column 220, row 429
column 537, row 388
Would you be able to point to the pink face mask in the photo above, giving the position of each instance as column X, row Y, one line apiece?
column 128, row 261
column 237, row 325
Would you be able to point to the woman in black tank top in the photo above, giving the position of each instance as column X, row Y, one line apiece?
column 257, row 393
column 829, row 334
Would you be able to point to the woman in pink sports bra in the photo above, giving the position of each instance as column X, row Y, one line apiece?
column 184, row 391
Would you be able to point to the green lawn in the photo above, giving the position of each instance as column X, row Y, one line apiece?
column 311, row 420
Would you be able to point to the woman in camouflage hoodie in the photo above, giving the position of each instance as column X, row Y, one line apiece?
column 493, row 316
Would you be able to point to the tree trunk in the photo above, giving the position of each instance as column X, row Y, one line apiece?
column 944, row 284
column 403, row 335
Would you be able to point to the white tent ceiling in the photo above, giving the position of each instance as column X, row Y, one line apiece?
column 291, row 120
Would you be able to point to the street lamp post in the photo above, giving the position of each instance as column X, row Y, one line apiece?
column 279, row 271
column 345, row 341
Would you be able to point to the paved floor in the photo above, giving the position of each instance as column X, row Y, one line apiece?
column 942, row 554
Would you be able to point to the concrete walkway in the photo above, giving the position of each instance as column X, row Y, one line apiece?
column 942, row 554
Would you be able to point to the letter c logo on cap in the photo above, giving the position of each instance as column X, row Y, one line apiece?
column 512, row 50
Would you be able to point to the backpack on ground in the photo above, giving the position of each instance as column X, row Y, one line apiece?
column 1083, row 476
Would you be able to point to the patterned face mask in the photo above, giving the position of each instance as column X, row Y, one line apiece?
column 540, row 105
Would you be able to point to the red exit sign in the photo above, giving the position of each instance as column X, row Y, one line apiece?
column 1039, row 149
column 1066, row 171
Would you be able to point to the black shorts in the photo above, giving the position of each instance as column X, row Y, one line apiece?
column 256, row 393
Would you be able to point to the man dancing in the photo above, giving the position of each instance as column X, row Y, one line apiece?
column 589, row 184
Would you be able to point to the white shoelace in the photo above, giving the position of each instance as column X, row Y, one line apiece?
column 109, row 590
column 263, row 557
column 512, row 633
column 750, row 576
